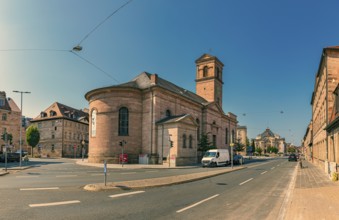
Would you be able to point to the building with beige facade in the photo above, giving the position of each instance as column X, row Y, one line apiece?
column 323, row 108
column 150, row 116
column 10, row 121
column 270, row 139
column 63, row 131
column 242, row 137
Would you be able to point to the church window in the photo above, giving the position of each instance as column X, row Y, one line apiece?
column 190, row 141
column 94, row 123
column 233, row 137
column 123, row 121
column 168, row 113
column 4, row 117
column 205, row 71
column 218, row 72
column 227, row 135
column 198, row 130
column 184, row 144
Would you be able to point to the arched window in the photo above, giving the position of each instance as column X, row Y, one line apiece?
column 218, row 72
column 93, row 124
column 190, row 141
column 227, row 135
column 123, row 121
column 205, row 71
column 184, row 144
column 233, row 137
column 168, row 113
column 198, row 130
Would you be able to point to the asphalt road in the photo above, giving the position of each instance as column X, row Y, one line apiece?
column 56, row 193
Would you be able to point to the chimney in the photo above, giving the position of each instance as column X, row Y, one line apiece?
column 154, row 78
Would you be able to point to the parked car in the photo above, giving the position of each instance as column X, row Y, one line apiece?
column 24, row 153
column 292, row 157
column 238, row 159
column 11, row 157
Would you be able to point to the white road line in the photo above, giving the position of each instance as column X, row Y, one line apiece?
column 126, row 194
column 128, row 173
column 99, row 174
column 54, row 203
column 198, row 203
column 26, row 176
column 272, row 168
column 245, row 181
column 49, row 188
column 263, row 172
column 66, row 176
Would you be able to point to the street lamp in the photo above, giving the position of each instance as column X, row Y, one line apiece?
column 21, row 92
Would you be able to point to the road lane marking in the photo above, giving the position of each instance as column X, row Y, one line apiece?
column 272, row 168
column 54, row 203
column 198, row 203
column 126, row 194
column 66, row 176
column 152, row 171
column 128, row 173
column 245, row 181
column 99, row 174
column 263, row 172
column 48, row 188
column 26, row 176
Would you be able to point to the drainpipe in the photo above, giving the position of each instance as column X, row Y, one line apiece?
column 152, row 110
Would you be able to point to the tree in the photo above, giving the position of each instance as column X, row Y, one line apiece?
column 272, row 149
column 239, row 147
column 204, row 145
column 7, row 137
column 32, row 136
column 291, row 150
column 253, row 146
column 258, row 150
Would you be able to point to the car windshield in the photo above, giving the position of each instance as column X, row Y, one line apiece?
column 210, row 154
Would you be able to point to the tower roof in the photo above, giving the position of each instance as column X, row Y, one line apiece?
column 207, row 57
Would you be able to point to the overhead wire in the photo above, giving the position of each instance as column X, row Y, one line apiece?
column 108, row 17
column 97, row 67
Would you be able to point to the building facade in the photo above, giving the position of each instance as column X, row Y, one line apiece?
column 326, row 81
column 242, row 138
column 63, row 131
column 269, row 139
column 152, row 116
column 10, row 122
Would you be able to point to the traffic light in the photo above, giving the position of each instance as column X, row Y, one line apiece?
column 171, row 143
column 120, row 143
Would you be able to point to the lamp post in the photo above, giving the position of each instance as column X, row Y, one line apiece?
column 21, row 92
column 232, row 145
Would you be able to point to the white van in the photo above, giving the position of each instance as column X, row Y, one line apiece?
column 216, row 157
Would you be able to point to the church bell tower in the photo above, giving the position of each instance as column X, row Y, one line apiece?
column 209, row 78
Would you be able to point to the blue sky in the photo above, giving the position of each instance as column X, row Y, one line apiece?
column 271, row 51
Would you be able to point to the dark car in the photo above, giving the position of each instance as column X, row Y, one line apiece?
column 292, row 157
column 24, row 153
column 238, row 159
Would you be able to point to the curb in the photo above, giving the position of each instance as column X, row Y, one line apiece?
column 157, row 182
column 3, row 173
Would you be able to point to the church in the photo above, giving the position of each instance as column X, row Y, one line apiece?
column 151, row 120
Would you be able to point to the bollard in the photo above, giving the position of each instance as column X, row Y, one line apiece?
column 105, row 171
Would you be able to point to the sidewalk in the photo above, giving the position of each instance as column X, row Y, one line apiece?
column 314, row 195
